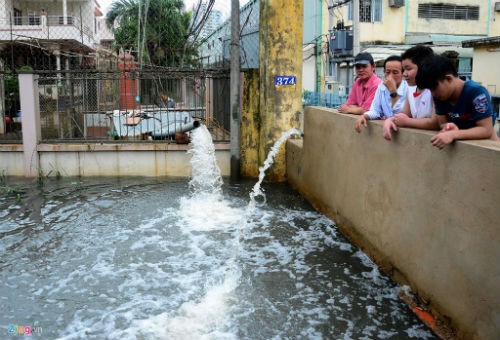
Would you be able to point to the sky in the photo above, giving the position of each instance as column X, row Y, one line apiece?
column 223, row 5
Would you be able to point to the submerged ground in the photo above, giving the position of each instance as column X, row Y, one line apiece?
column 155, row 259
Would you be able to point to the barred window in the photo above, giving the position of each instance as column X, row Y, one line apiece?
column 448, row 11
column 369, row 10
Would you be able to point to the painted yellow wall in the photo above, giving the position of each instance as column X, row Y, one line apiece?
column 390, row 29
column 495, row 21
column 393, row 25
column 455, row 27
column 484, row 70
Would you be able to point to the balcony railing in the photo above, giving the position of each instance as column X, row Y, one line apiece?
column 57, row 20
column 37, row 20
column 32, row 20
column 49, row 26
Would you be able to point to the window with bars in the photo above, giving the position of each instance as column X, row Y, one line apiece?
column 448, row 11
column 369, row 10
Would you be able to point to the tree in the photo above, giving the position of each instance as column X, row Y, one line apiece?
column 156, row 31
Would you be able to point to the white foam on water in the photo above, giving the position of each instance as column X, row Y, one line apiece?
column 206, row 318
column 208, row 211
column 199, row 318
column 418, row 332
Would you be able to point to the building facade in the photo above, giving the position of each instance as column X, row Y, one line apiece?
column 390, row 26
column 486, row 56
column 385, row 27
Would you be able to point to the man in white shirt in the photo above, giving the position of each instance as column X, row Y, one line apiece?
column 390, row 96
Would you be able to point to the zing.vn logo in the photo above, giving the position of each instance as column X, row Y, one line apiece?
column 26, row 330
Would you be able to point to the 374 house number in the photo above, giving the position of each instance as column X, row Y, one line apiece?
column 285, row 80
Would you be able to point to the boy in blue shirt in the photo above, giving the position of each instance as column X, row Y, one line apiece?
column 463, row 108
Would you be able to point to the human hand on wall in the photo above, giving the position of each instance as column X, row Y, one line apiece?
column 443, row 138
column 388, row 126
column 448, row 127
column 360, row 122
column 401, row 119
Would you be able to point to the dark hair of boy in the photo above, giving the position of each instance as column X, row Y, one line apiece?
column 417, row 54
column 392, row 58
column 433, row 70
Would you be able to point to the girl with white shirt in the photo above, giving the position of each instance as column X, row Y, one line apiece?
column 419, row 104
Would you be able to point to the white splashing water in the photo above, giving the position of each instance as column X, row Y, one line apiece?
column 206, row 210
column 206, row 175
column 257, row 190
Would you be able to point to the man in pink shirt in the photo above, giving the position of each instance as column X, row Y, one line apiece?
column 364, row 88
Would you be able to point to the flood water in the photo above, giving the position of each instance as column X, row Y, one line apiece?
column 141, row 258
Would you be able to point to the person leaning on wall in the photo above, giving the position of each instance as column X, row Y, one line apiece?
column 418, row 109
column 364, row 87
column 390, row 96
column 463, row 108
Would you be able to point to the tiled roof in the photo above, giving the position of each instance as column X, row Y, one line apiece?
column 481, row 42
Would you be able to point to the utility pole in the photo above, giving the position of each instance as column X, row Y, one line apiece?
column 356, row 46
column 235, row 90
column 355, row 28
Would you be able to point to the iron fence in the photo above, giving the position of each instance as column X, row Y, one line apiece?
column 331, row 100
column 126, row 105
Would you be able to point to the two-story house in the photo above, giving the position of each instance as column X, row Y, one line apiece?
column 55, row 35
column 51, row 34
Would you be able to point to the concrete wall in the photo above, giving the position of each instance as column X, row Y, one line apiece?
column 96, row 159
column 429, row 217
column 11, row 160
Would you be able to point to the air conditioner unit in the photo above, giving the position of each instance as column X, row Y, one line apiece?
column 396, row 3
column 497, row 6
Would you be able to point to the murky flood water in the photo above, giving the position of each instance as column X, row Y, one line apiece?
column 144, row 259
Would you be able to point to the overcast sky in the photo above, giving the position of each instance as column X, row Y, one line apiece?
column 222, row 5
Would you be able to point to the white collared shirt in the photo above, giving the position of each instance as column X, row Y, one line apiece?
column 381, row 107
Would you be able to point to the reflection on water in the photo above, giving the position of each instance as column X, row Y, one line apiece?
column 144, row 258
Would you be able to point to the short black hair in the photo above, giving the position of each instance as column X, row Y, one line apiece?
column 433, row 70
column 392, row 58
column 417, row 54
